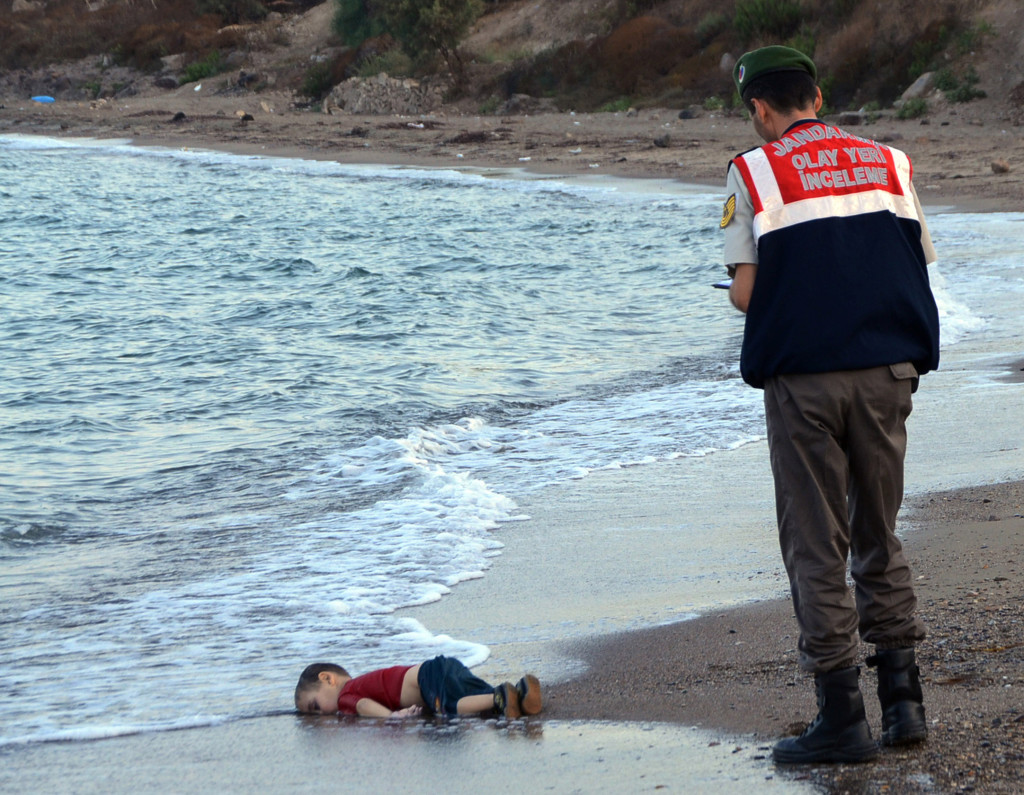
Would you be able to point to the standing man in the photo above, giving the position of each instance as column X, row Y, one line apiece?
column 828, row 250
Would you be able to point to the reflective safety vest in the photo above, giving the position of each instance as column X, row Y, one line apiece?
column 842, row 282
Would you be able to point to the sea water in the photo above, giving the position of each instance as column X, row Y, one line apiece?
column 252, row 406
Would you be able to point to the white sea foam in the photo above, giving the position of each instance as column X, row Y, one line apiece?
column 977, row 280
column 106, row 732
column 16, row 141
column 956, row 320
column 518, row 180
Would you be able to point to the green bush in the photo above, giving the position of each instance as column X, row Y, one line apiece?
column 966, row 90
column 945, row 80
column 804, row 40
column 490, row 105
column 969, row 40
column 619, row 105
column 211, row 65
column 317, row 81
column 355, row 21
column 424, row 27
column 924, row 51
column 958, row 89
column 912, row 109
column 772, row 18
column 394, row 63
column 710, row 26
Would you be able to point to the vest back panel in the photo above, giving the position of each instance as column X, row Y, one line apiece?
column 842, row 281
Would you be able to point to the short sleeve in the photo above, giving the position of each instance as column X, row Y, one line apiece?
column 738, row 222
column 347, row 702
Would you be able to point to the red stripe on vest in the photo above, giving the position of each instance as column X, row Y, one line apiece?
column 807, row 166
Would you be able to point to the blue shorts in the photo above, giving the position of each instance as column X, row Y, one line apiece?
column 444, row 680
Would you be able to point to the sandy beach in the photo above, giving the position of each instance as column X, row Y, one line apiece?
column 625, row 674
column 954, row 149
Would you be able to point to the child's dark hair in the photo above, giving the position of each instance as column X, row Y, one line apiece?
column 309, row 679
column 783, row 91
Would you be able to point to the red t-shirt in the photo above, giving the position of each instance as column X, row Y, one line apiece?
column 383, row 686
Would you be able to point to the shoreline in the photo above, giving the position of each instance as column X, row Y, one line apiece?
column 652, row 143
column 732, row 671
column 702, row 672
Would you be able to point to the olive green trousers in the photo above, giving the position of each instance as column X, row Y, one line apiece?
column 837, row 443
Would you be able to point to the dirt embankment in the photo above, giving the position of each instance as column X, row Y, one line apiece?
column 580, row 54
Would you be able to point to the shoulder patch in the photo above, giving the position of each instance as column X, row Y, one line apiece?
column 728, row 211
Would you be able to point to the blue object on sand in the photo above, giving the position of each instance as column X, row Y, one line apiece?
column 43, row 99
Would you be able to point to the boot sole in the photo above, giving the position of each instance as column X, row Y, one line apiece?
column 908, row 738
column 843, row 755
column 531, row 703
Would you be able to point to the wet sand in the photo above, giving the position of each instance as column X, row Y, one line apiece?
column 550, row 604
column 737, row 670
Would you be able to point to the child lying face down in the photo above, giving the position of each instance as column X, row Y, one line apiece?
column 442, row 686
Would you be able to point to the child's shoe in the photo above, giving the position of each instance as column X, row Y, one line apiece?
column 506, row 701
column 528, row 690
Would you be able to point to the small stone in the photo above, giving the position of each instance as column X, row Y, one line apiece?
column 1000, row 167
column 663, row 141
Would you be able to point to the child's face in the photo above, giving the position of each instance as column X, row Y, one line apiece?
column 323, row 700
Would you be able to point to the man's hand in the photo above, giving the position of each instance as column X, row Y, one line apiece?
column 408, row 712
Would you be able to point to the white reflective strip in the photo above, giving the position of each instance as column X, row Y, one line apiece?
column 902, row 163
column 764, row 179
column 834, row 206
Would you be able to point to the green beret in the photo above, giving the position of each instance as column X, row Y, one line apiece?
column 766, row 60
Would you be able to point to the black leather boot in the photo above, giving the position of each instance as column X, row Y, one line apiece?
column 899, row 691
column 840, row 733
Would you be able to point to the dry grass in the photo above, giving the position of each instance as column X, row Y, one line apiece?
column 135, row 34
column 906, row 36
column 865, row 51
column 667, row 49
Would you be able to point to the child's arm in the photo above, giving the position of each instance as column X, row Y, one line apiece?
column 368, row 708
